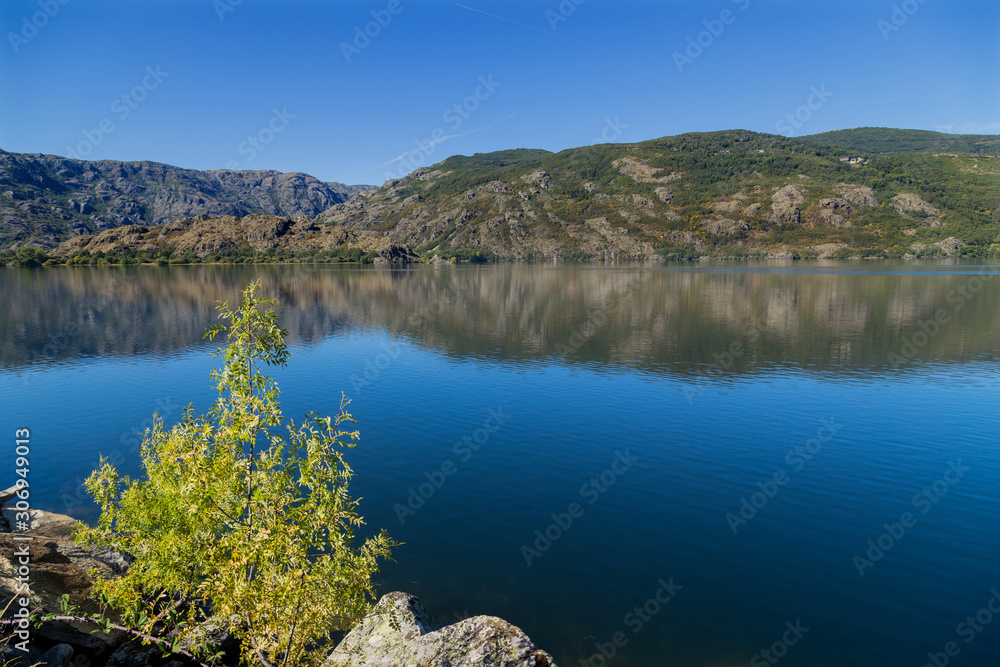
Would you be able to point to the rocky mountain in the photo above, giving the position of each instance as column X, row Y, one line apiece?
column 46, row 199
column 722, row 194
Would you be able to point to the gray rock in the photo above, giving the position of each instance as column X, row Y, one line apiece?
column 951, row 245
column 58, row 565
column 400, row 631
column 785, row 205
column 57, row 656
column 914, row 205
column 134, row 654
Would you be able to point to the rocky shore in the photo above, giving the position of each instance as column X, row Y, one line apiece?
column 398, row 632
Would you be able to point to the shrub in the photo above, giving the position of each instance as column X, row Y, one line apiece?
column 243, row 515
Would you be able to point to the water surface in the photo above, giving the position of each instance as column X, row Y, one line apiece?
column 644, row 404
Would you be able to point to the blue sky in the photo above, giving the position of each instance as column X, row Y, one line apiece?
column 300, row 86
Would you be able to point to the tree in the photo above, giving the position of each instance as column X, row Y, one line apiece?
column 237, row 520
column 29, row 257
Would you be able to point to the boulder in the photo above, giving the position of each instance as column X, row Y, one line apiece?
column 915, row 205
column 134, row 654
column 859, row 195
column 57, row 656
column 785, row 205
column 57, row 565
column 400, row 631
column 951, row 246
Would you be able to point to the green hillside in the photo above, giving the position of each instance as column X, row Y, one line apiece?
column 886, row 141
column 719, row 194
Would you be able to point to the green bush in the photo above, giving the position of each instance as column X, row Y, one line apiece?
column 242, row 515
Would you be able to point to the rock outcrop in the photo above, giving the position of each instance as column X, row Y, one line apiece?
column 46, row 199
column 400, row 631
column 204, row 235
column 915, row 205
column 785, row 206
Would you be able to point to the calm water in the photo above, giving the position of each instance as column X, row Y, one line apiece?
column 725, row 438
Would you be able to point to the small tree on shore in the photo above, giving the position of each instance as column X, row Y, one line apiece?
column 243, row 515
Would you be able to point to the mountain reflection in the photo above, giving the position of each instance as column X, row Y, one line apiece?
column 690, row 321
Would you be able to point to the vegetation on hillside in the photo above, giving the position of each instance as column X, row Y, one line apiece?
column 699, row 194
column 886, row 141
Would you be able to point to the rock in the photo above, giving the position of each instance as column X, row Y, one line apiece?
column 49, row 523
column 637, row 201
column 833, row 211
column 400, row 631
column 717, row 224
column 215, row 632
column 494, row 186
column 8, row 494
column 57, row 656
column 950, row 245
column 58, row 566
column 785, row 206
column 826, row 250
column 913, row 204
column 643, row 172
column 727, row 206
column 134, row 654
column 858, row 195
column 664, row 194
column 539, row 178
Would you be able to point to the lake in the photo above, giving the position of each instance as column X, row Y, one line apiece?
column 702, row 465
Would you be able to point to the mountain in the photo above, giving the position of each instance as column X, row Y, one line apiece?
column 887, row 141
column 46, row 199
column 722, row 194
column 252, row 238
column 729, row 194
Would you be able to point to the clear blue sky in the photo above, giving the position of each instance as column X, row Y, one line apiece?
column 74, row 80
